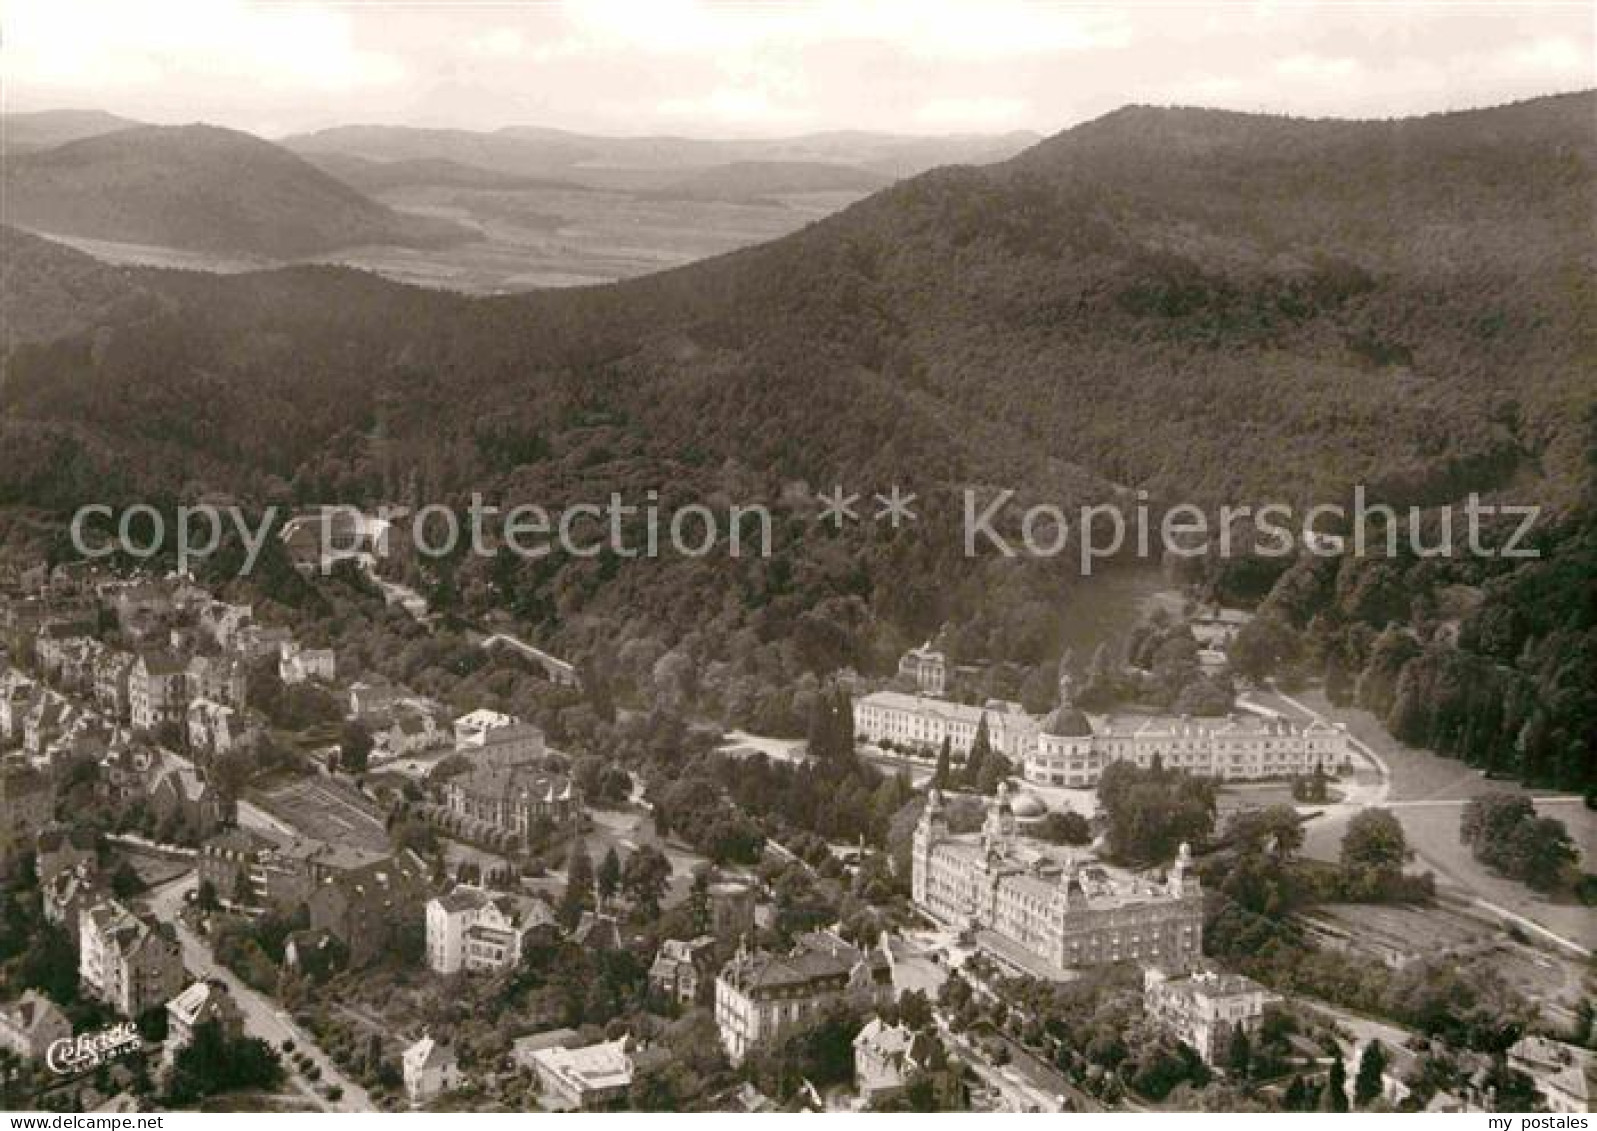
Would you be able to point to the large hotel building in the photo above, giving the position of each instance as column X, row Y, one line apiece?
column 923, row 722
column 1069, row 749
column 1047, row 915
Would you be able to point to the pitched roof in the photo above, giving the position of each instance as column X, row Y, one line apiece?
column 162, row 663
column 762, row 971
column 32, row 1011
column 198, row 1003
column 427, row 1053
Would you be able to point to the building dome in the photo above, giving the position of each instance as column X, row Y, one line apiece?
column 1028, row 807
column 1066, row 721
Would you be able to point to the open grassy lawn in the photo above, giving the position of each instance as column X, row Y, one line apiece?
column 1432, row 832
column 630, row 829
column 1427, row 794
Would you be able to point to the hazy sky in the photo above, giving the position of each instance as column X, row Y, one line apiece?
column 677, row 66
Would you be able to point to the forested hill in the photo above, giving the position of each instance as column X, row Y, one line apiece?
column 201, row 188
column 1212, row 306
column 1197, row 302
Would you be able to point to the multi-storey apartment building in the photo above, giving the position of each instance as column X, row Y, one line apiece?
column 31, row 1024
column 219, row 679
column 1205, row 1009
column 682, row 967
column 474, row 929
column 761, row 997
column 157, row 691
column 131, row 963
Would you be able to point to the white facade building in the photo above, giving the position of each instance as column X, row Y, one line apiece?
column 1206, row 1009
column 474, row 929
column 1047, row 915
column 916, row 721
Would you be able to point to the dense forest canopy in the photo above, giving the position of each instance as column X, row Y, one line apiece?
column 1202, row 305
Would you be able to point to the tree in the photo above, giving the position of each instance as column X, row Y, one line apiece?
column 1373, row 853
column 1151, row 811
column 578, row 896
column 1504, row 832
column 125, row 882
column 940, row 776
column 1334, row 1096
column 1239, row 1056
column 1298, row 1096
column 1367, row 1084
column 609, row 875
column 205, row 898
column 1338, row 683
column 980, row 747
column 1541, row 853
column 831, row 726
column 355, row 746
column 914, row 1011
column 645, row 878
column 212, row 1063
column 1068, row 827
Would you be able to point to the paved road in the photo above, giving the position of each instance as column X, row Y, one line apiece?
column 263, row 1017
column 1020, row 1093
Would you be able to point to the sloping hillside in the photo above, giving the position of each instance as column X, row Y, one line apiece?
column 1158, row 296
column 201, row 188
column 1206, row 306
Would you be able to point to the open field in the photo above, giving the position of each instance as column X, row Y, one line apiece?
column 536, row 237
column 1432, row 832
column 1397, row 936
column 1427, row 793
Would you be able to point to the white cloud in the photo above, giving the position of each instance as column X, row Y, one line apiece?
column 1317, row 68
column 1551, row 59
column 973, row 113
column 930, row 29
column 501, row 43
column 783, row 65
column 106, row 44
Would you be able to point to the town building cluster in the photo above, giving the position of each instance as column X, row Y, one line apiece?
column 151, row 680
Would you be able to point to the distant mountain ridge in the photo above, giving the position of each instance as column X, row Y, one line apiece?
column 543, row 152
column 44, row 129
column 742, row 181
column 204, row 188
column 374, row 176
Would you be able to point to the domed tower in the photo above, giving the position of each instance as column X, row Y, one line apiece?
column 1065, row 752
column 932, row 828
column 1177, row 881
column 999, row 828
